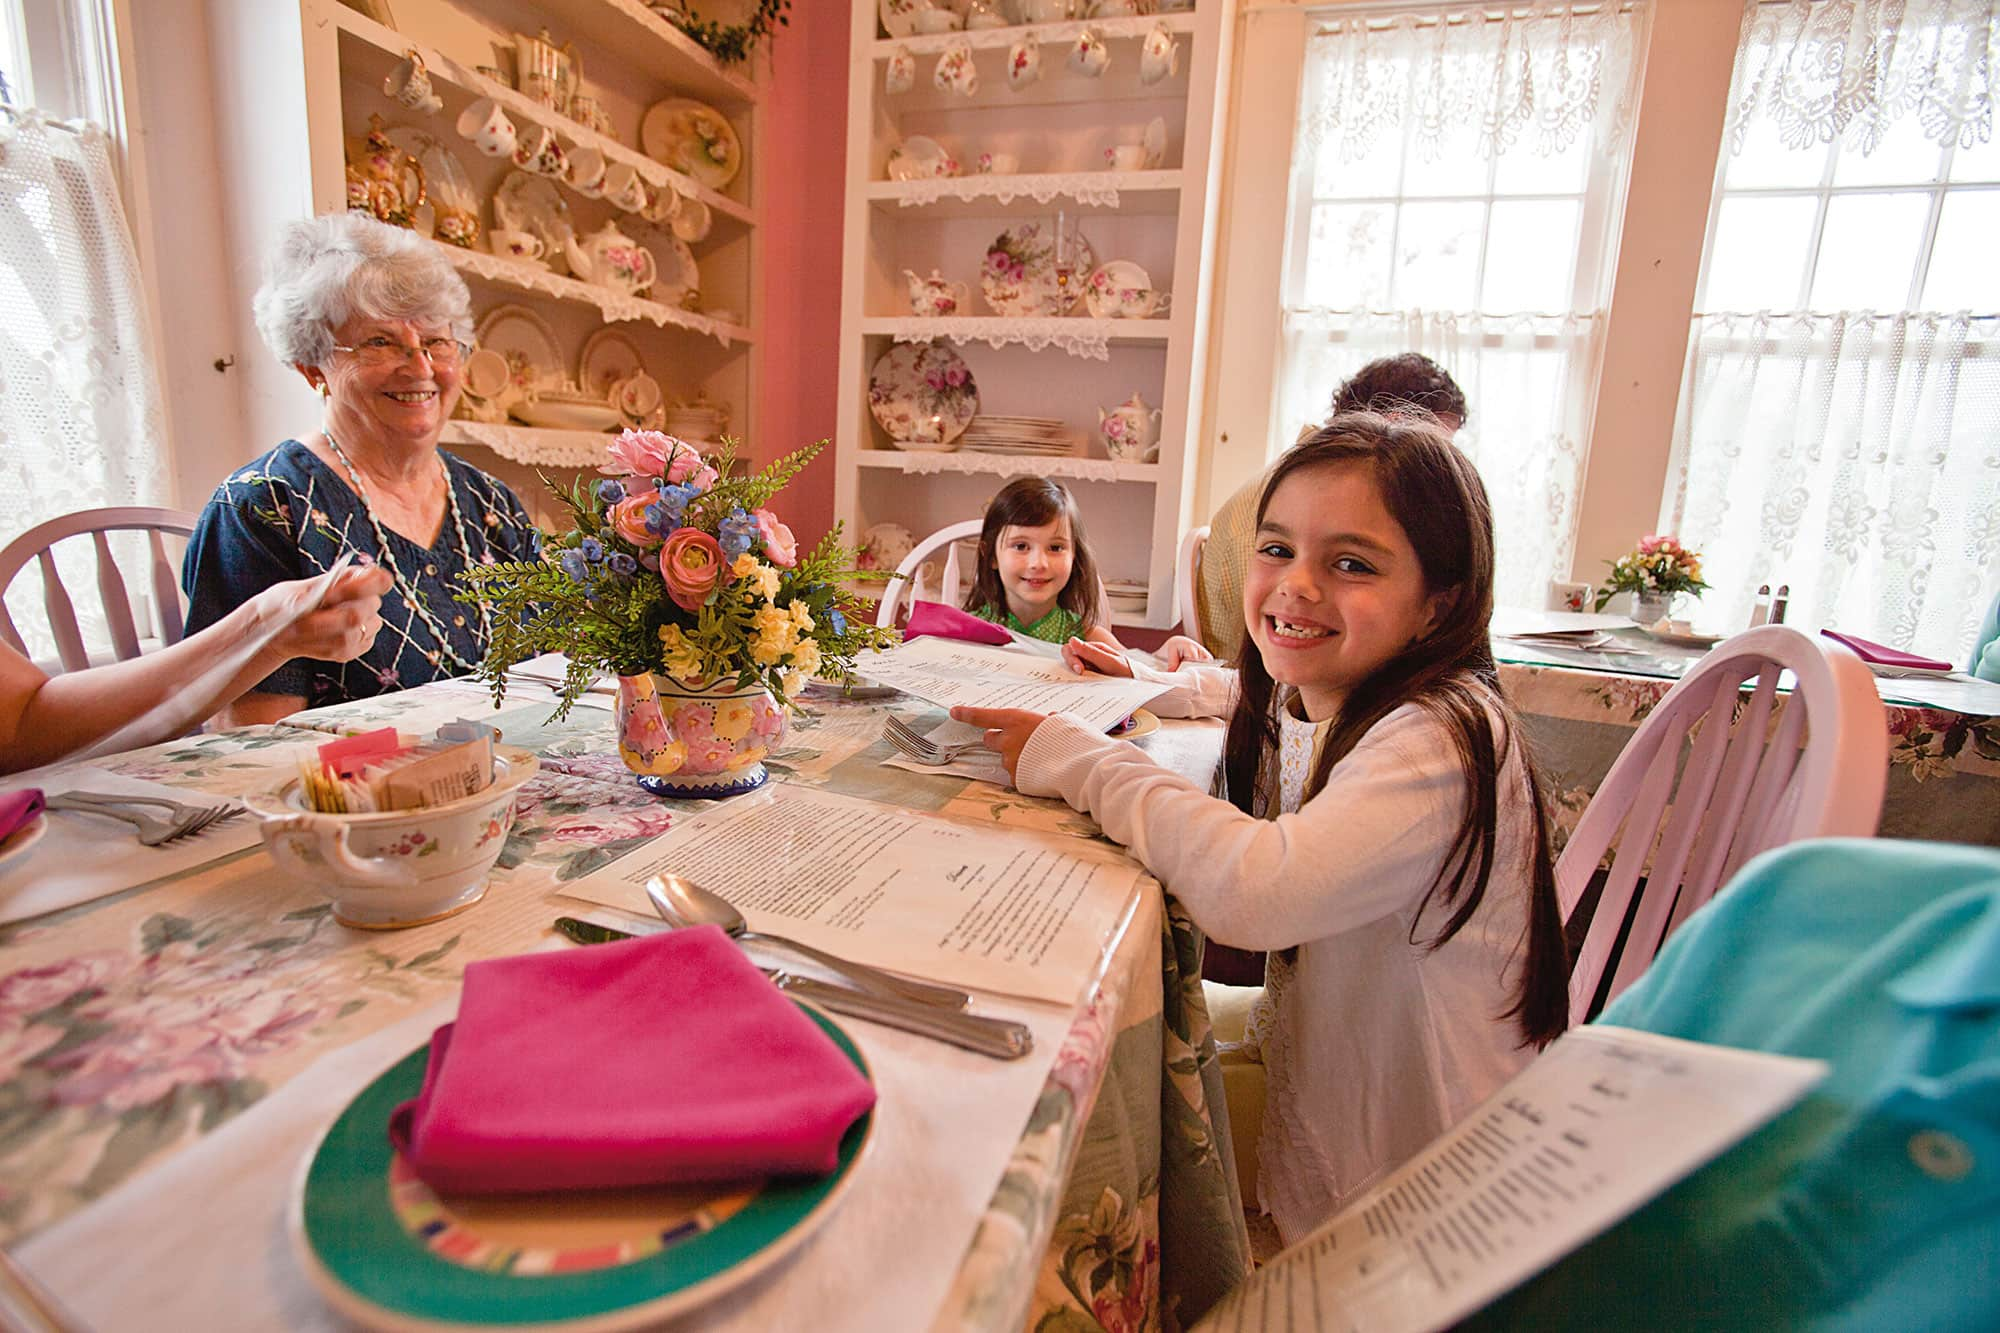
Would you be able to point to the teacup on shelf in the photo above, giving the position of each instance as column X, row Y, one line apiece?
column 1159, row 55
column 1024, row 62
column 410, row 85
column 956, row 72
column 899, row 74
column 1125, row 157
column 936, row 20
column 521, row 245
column 998, row 164
column 487, row 126
column 1123, row 290
column 586, row 172
column 1090, row 55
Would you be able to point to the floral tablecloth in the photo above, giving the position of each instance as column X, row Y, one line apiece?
column 1944, row 765
column 134, row 1025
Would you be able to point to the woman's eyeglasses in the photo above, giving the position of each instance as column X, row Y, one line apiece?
column 379, row 351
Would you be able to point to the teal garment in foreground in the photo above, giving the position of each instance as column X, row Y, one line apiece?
column 1986, row 645
column 1872, row 1205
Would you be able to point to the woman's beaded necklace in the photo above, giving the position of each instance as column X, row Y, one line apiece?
column 410, row 594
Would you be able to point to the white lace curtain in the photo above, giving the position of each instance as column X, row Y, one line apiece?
column 1465, row 101
column 80, row 417
column 1852, row 455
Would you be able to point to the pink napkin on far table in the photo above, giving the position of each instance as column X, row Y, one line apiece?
column 1883, row 655
column 17, row 808
column 948, row 622
column 660, row 1060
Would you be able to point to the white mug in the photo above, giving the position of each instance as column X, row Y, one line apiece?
column 1090, row 55
column 410, row 84
column 487, row 126
column 1566, row 596
column 900, row 75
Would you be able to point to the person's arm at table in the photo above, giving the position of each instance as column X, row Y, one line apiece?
column 1196, row 689
column 44, row 718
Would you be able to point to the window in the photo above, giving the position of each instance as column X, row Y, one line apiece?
column 1840, row 425
column 1455, row 175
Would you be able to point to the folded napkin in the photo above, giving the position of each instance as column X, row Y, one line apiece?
column 1882, row 655
column 17, row 808
column 948, row 622
column 659, row 1060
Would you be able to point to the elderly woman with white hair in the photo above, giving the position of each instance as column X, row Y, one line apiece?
column 378, row 323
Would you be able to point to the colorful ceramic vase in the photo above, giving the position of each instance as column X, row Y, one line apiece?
column 687, row 741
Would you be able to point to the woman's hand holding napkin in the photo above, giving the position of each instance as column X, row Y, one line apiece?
column 661, row 1060
column 948, row 622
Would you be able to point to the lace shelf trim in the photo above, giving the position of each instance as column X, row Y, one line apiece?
column 533, row 445
column 928, row 462
column 1091, row 189
column 1050, row 35
column 616, row 306
column 1086, row 340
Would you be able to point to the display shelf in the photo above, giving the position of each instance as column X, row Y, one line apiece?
column 925, row 462
column 1052, row 37
column 1029, row 193
column 616, row 307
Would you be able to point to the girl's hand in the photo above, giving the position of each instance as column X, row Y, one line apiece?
column 1007, row 730
column 348, row 618
column 1084, row 657
column 1181, row 649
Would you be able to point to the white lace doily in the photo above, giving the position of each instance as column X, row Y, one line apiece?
column 1085, row 339
column 1052, row 36
column 615, row 305
column 929, row 462
column 1093, row 189
column 531, row 445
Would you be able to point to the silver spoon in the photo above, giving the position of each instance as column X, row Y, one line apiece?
column 682, row 902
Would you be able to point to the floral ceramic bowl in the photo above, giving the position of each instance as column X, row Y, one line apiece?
column 396, row 868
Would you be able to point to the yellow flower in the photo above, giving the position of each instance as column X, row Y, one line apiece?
column 756, row 576
column 794, row 681
column 802, row 617
column 773, row 635
column 805, row 657
column 682, row 659
column 745, row 566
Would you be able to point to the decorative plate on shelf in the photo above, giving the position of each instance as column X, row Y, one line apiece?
column 1019, row 277
column 899, row 17
column 923, row 395
column 389, row 1252
column 693, row 138
column 609, row 357
column 679, row 277
column 531, row 203
column 920, row 158
column 884, row 546
column 524, row 338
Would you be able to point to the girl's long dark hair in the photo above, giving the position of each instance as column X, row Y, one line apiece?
column 1030, row 502
column 1433, row 491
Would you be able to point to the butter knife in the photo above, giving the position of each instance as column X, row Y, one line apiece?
column 1001, row 1038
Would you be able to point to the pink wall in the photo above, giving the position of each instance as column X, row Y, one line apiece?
column 804, row 140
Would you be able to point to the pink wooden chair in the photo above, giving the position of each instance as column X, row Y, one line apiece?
column 38, row 543
column 1187, row 581
column 908, row 583
column 1746, row 786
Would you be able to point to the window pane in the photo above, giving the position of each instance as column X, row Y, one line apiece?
column 1530, row 257
column 1964, row 273
column 1347, row 256
column 1760, row 254
column 1869, row 251
column 1524, row 171
column 1979, row 163
column 1904, row 157
column 1766, row 163
column 1437, row 256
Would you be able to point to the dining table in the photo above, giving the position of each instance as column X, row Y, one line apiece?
column 1581, row 706
column 170, row 1052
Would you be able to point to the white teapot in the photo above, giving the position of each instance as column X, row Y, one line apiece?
column 1131, row 431
column 933, row 297
column 610, row 258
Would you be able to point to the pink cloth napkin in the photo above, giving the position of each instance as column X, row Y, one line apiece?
column 17, row 808
column 659, row 1060
column 1882, row 655
column 948, row 622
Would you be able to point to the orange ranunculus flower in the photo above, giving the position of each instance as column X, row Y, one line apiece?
column 628, row 519
column 690, row 563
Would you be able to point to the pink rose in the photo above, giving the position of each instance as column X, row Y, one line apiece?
column 690, row 563
column 780, row 547
column 643, row 453
column 628, row 519
column 702, row 478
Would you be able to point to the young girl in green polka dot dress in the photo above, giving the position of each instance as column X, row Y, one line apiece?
column 1035, row 573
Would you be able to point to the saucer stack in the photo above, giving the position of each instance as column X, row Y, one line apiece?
column 1020, row 435
column 1127, row 598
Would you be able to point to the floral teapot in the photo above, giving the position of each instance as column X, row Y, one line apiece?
column 384, row 180
column 1131, row 431
column 610, row 258
column 933, row 297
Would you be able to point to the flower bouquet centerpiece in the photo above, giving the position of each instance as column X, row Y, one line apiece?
column 1653, row 574
column 677, row 578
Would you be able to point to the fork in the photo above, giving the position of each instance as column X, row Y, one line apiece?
column 922, row 748
column 188, row 821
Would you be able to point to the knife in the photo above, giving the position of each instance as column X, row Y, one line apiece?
column 1001, row 1038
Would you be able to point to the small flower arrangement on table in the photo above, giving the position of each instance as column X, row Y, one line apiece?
column 678, row 578
column 1653, row 573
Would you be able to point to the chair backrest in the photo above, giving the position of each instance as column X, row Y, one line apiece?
column 1747, row 786
column 38, row 543
column 908, row 578
column 1187, row 575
